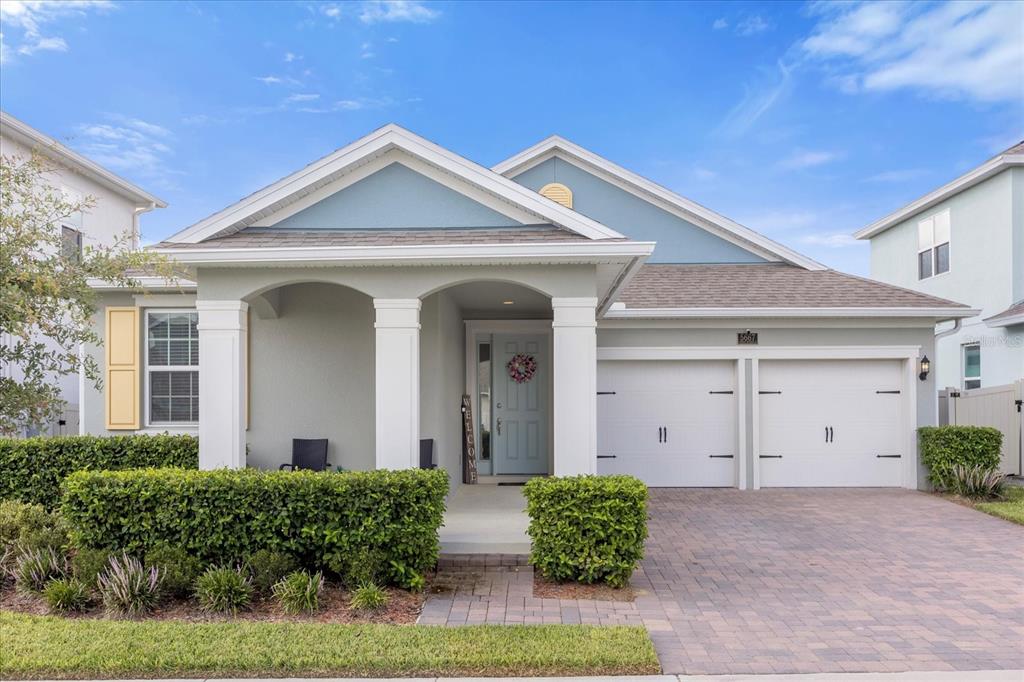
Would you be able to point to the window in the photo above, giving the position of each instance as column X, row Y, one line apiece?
column 483, row 388
column 71, row 243
column 933, row 245
column 972, row 365
column 172, row 366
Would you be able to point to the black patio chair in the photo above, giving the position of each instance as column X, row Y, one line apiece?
column 427, row 453
column 308, row 453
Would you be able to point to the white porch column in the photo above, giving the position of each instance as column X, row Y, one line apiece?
column 397, row 382
column 222, row 330
column 575, row 385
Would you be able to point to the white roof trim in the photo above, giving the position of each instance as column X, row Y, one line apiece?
column 646, row 189
column 1008, row 321
column 585, row 252
column 30, row 137
column 940, row 313
column 965, row 181
column 378, row 142
column 146, row 282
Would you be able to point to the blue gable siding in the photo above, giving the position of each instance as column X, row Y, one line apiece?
column 678, row 241
column 395, row 197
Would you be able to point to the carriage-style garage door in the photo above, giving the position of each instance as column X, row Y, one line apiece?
column 669, row 423
column 831, row 423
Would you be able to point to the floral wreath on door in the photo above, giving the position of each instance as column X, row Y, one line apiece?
column 521, row 368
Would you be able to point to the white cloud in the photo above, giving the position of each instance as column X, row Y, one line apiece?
column 27, row 19
column 751, row 25
column 720, row 23
column 757, row 101
column 704, row 174
column 302, row 97
column 972, row 50
column 129, row 145
column 805, row 158
column 896, row 176
column 390, row 11
column 291, row 57
column 838, row 240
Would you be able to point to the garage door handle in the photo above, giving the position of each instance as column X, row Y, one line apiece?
column 720, row 392
column 606, row 392
column 770, row 456
column 606, row 456
column 889, row 392
column 889, row 456
column 769, row 392
column 720, row 456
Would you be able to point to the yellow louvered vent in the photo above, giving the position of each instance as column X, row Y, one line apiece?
column 556, row 191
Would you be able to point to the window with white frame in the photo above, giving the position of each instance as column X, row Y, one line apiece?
column 972, row 365
column 172, row 367
column 71, row 243
column 933, row 245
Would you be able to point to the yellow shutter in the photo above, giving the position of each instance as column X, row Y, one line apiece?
column 122, row 372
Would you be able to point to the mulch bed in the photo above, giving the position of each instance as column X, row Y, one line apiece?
column 403, row 608
column 548, row 589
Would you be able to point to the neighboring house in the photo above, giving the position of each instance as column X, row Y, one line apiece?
column 965, row 241
column 599, row 323
column 117, row 205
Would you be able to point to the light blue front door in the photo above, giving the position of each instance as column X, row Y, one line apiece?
column 520, row 410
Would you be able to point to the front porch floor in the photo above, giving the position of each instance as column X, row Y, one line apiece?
column 485, row 519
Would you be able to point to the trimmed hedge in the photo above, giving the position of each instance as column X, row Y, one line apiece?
column 223, row 516
column 31, row 469
column 587, row 528
column 943, row 447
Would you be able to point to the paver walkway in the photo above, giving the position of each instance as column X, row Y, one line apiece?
column 795, row 581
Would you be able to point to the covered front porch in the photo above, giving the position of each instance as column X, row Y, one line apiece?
column 378, row 359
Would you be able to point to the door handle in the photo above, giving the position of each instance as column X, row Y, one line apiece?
column 666, row 433
column 497, row 426
column 831, row 435
column 660, row 435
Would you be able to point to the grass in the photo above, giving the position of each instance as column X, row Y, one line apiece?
column 1010, row 508
column 45, row 647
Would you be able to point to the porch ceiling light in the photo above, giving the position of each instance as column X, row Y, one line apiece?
column 507, row 302
column 926, row 367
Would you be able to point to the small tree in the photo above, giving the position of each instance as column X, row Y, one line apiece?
column 46, row 302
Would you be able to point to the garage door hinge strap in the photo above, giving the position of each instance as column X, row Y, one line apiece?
column 770, row 392
column 606, row 392
column 720, row 456
column 770, row 456
column 889, row 456
column 606, row 456
column 720, row 392
column 890, row 392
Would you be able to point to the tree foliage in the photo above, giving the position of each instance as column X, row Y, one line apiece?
column 45, row 299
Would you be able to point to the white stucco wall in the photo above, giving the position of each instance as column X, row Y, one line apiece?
column 442, row 382
column 986, row 271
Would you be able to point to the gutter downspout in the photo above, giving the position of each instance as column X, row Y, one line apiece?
column 135, row 223
column 952, row 330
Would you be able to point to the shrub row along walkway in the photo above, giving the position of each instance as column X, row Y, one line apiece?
column 795, row 581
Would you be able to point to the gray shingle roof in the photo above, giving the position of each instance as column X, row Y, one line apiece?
column 1014, row 310
column 275, row 238
column 769, row 285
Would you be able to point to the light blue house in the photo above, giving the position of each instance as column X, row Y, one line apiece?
column 587, row 319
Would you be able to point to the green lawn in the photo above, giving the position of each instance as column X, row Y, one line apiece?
column 57, row 648
column 1010, row 508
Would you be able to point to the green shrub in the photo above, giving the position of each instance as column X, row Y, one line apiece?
column 220, row 516
column 128, row 588
column 178, row 570
column 36, row 567
column 943, row 447
column 26, row 527
column 64, row 595
column 88, row 564
column 31, row 469
column 299, row 592
column 369, row 597
column 266, row 568
column 223, row 590
column 976, row 482
column 587, row 528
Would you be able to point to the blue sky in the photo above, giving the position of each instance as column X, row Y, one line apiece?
column 802, row 121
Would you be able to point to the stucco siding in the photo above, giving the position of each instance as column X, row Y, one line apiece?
column 442, row 380
column 395, row 197
column 679, row 241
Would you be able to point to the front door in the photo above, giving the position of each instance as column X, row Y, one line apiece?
column 520, row 404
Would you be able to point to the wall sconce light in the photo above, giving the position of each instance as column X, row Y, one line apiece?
column 926, row 367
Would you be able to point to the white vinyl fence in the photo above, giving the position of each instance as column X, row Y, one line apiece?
column 998, row 407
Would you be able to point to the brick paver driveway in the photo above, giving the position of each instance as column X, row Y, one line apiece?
column 816, row 580
column 790, row 581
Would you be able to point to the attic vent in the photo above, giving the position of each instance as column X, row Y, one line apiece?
column 556, row 191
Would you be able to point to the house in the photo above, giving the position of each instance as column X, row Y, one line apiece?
column 965, row 240
column 117, row 206
column 597, row 322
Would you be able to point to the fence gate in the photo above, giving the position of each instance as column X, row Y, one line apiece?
column 998, row 407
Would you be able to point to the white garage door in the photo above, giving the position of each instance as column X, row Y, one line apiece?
column 670, row 423
column 831, row 423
